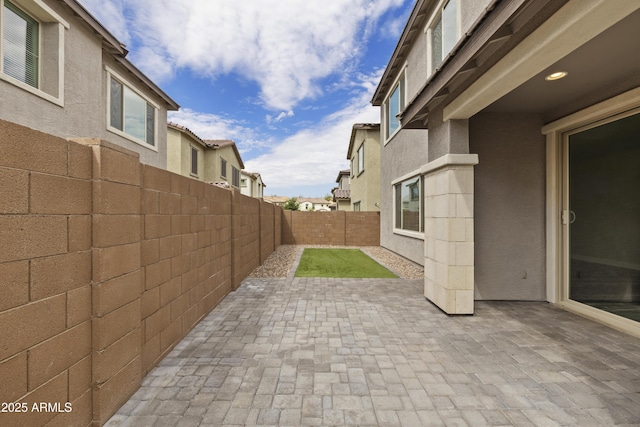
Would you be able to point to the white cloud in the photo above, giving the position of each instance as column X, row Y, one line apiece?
column 212, row 126
column 280, row 117
column 111, row 15
column 286, row 46
column 315, row 155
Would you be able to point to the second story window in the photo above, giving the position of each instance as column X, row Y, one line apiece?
column 20, row 45
column 194, row 161
column 131, row 115
column 235, row 177
column 443, row 32
column 32, row 48
column 393, row 106
column 223, row 168
column 361, row 159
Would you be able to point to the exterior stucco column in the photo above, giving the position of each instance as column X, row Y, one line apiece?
column 449, row 242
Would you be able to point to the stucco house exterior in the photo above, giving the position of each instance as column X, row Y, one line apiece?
column 517, row 138
column 251, row 184
column 64, row 74
column 314, row 204
column 185, row 152
column 342, row 193
column 223, row 163
column 276, row 200
column 212, row 161
column 364, row 156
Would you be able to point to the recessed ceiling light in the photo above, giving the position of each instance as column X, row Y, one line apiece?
column 556, row 76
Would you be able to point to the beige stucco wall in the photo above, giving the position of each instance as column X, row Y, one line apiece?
column 254, row 188
column 174, row 151
column 84, row 113
column 365, row 185
column 212, row 164
column 179, row 154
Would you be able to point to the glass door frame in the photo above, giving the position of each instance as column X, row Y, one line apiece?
column 557, row 199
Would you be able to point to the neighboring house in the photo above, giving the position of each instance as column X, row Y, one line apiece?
column 213, row 161
column 342, row 193
column 364, row 155
column 64, row 74
column 276, row 200
column 526, row 182
column 223, row 165
column 251, row 184
column 314, row 204
column 185, row 152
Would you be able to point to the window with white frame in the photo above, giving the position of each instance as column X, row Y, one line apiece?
column 356, row 207
column 32, row 46
column 130, row 114
column 243, row 182
column 223, row 168
column 393, row 106
column 194, row 161
column 443, row 32
column 361, row 159
column 408, row 201
column 235, row 177
column 21, row 42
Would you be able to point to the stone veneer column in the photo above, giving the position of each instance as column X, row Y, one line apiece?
column 449, row 244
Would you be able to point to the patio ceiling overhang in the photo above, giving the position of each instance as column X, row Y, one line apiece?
column 501, row 65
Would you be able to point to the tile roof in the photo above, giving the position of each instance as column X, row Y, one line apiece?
column 346, row 172
column 276, row 199
column 223, row 143
column 314, row 200
column 187, row 131
column 341, row 194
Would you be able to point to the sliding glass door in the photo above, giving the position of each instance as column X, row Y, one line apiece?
column 601, row 214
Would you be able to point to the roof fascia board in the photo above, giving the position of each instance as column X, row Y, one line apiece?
column 481, row 33
column 569, row 28
column 112, row 44
column 171, row 104
column 116, row 49
column 405, row 39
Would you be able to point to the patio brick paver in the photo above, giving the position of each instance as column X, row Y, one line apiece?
column 368, row 352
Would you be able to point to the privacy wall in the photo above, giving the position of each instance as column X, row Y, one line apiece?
column 105, row 264
column 338, row 228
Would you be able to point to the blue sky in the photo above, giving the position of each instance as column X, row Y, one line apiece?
column 284, row 79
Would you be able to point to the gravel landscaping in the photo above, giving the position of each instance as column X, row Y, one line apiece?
column 281, row 262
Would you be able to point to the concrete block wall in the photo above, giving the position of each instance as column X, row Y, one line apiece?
column 105, row 264
column 267, row 230
column 245, row 244
column 186, row 257
column 45, row 276
column 277, row 223
column 362, row 228
column 116, row 325
column 331, row 228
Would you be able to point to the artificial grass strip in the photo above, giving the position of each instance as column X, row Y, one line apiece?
column 346, row 263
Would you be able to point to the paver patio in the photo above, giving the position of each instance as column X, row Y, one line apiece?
column 374, row 352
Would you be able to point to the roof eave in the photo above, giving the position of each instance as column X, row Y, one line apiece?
column 117, row 50
column 406, row 39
